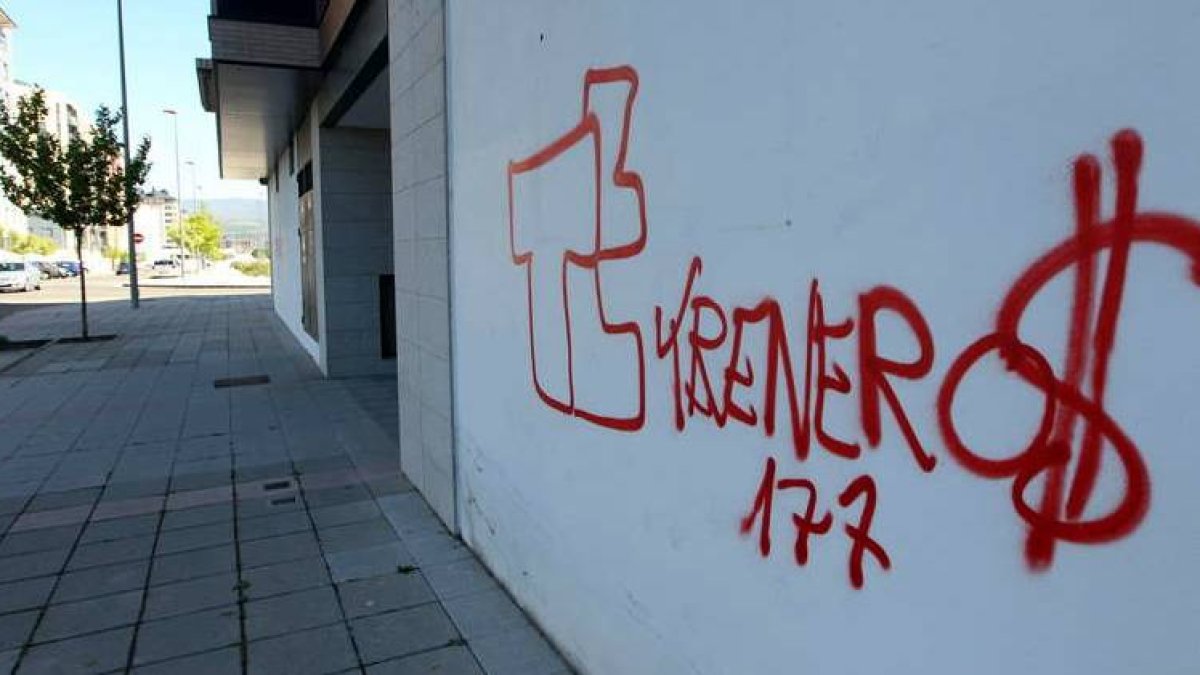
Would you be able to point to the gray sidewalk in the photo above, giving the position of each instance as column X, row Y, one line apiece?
column 156, row 523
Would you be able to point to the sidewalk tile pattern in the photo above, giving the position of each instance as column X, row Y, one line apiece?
column 153, row 523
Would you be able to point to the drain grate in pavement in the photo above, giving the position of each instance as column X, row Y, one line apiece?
column 277, row 485
column 246, row 381
column 280, row 501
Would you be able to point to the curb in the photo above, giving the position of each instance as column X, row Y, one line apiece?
column 204, row 286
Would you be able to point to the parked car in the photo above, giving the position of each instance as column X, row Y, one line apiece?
column 69, row 267
column 166, row 267
column 50, row 270
column 123, row 268
column 18, row 275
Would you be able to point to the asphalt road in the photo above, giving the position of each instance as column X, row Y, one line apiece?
column 100, row 288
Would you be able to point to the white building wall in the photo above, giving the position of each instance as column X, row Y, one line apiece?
column 284, row 224
column 151, row 220
column 417, row 72
column 351, row 174
column 920, row 155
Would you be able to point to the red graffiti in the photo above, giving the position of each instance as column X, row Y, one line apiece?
column 601, row 250
column 1091, row 337
column 875, row 367
column 860, row 533
column 807, row 523
column 742, row 363
column 695, row 393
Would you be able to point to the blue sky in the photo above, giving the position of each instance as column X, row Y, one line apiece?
column 71, row 46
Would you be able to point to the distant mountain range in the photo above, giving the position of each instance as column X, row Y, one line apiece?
column 240, row 215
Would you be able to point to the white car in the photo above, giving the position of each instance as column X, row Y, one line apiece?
column 166, row 267
column 17, row 275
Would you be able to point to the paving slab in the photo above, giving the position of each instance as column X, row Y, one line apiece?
column 483, row 614
column 278, row 549
column 194, row 564
column 184, row 597
column 26, row 594
column 274, row 525
column 111, row 552
column 292, row 612
column 32, row 541
column 364, row 563
column 284, row 577
column 228, row 660
column 403, row 632
column 101, row 581
column 30, row 565
column 119, row 528
column 96, row 653
column 192, row 538
column 89, row 616
column 169, row 527
column 365, row 597
column 312, row 652
column 187, row 635
column 456, row 660
column 518, row 651
column 15, row 629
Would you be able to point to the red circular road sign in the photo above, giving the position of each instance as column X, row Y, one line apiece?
column 138, row 237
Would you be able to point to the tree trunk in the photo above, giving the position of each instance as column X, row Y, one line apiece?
column 82, row 282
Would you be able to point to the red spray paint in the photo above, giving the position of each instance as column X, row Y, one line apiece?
column 1060, row 514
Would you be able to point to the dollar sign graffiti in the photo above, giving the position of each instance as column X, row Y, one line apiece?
column 1077, row 397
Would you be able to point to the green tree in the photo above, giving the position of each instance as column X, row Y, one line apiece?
column 21, row 243
column 32, row 243
column 79, row 186
column 200, row 233
column 115, row 255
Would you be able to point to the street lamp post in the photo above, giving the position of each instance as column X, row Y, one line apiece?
column 195, row 201
column 134, row 299
column 179, row 196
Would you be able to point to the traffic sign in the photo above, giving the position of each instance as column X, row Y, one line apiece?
column 138, row 237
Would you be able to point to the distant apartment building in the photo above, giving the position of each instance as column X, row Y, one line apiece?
column 155, row 215
column 7, row 27
column 11, row 218
column 63, row 120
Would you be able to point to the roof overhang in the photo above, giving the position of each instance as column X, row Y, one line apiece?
column 257, row 109
column 208, row 84
column 258, row 82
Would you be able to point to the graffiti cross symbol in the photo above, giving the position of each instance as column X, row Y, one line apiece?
column 588, row 258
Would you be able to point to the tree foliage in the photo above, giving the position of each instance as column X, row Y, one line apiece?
column 20, row 243
column 200, row 233
column 253, row 268
column 79, row 184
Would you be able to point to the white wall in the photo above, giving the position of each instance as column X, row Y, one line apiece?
column 417, row 74
column 284, row 222
column 149, row 220
column 353, row 182
column 925, row 146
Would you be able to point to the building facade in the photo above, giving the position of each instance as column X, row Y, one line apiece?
column 12, row 219
column 733, row 337
column 155, row 215
column 63, row 121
